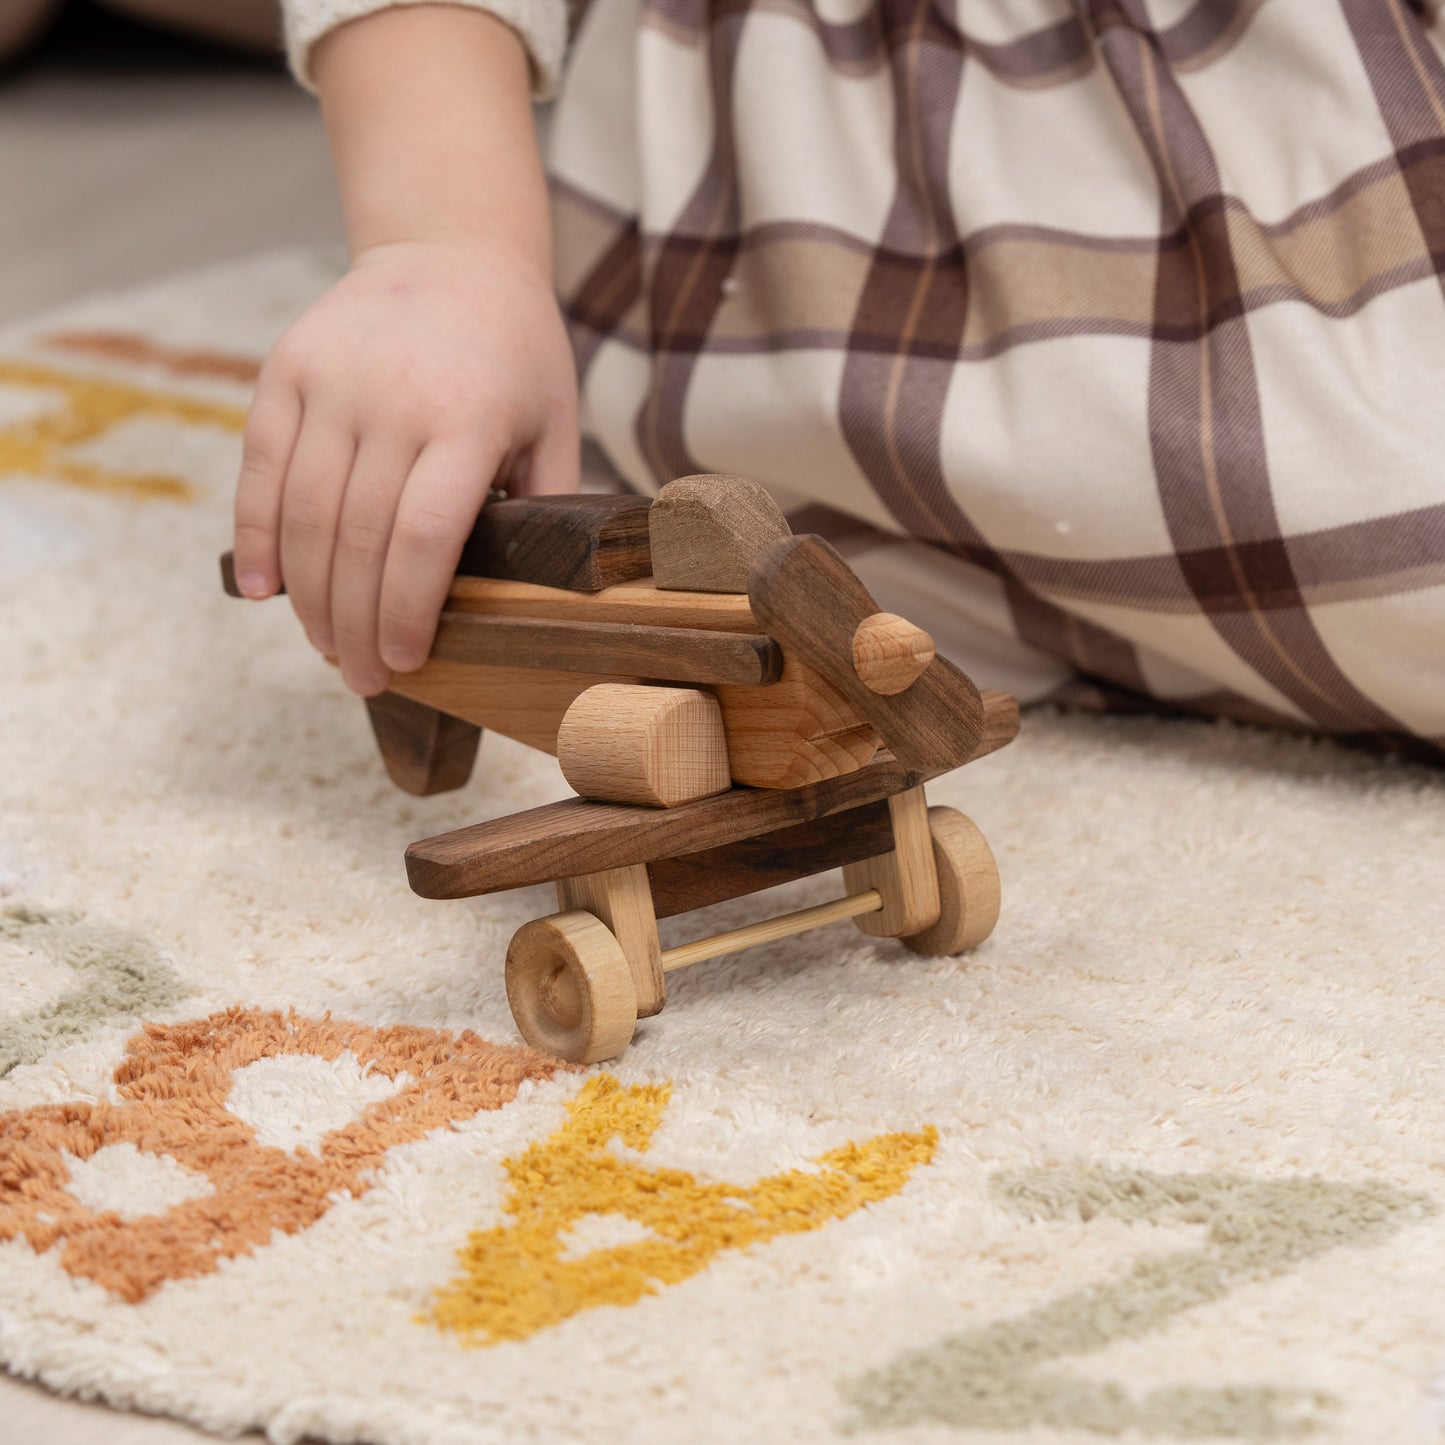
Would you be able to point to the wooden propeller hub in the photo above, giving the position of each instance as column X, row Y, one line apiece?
column 890, row 653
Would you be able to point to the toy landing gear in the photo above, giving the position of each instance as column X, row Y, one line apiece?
column 570, row 983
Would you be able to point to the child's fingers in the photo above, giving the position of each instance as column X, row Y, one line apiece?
column 310, row 512
column 383, row 462
column 555, row 463
column 439, row 504
column 270, row 437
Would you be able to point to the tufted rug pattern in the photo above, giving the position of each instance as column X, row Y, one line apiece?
column 1164, row 1160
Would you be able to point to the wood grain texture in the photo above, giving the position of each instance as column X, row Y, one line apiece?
column 707, row 529
column 519, row 702
column 713, row 875
column 807, row 598
column 581, row 541
column 674, row 654
column 786, row 925
column 622, row 899
column 1000, row 721
column 425, row 751
column 890, row 653
column 905, row 877
column 229, row 585
column 562, row 840
column 627, row 602
column 799, row 730
column 968, row 887
column 569, row 987
column 575, row 836
column 658, row 746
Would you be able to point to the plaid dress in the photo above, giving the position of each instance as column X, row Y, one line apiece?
column 1105, row 337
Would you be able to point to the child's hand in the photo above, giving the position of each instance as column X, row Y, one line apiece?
column 381, row 419
column 437, row 364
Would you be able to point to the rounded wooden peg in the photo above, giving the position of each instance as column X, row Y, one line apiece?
column 633, row 743
column 890, row 653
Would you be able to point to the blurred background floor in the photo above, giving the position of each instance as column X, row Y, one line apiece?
column 126, row 153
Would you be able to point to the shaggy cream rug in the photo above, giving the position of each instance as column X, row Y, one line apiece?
column 1164, row 1160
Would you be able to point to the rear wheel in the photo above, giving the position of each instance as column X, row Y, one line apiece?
column 968, row 887
column 570, row 988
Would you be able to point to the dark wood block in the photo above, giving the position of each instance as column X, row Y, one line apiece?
column 807, row 597
column 1000, row 721
column 669, row 654
column 228, row 575
column 567, row 839
column 425, row 751
column 583, row 542
column 714, row 875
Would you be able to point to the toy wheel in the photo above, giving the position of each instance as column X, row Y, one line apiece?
column 570, row 988
column 967, row 887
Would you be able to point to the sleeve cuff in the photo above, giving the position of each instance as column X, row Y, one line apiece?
column 541, row 24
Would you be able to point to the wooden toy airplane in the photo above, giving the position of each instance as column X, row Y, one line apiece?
column 733, row 711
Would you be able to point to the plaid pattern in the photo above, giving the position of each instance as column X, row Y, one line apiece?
column 1104, row 336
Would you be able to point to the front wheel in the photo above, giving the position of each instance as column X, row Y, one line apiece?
column 570, row 988
column 968, row 887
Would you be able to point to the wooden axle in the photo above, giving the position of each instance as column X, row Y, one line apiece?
column 771, row 929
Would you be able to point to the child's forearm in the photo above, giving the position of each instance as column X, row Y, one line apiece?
column 428, row 109
column 438, row 363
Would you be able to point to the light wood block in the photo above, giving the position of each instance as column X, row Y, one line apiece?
column 799, row 730
column 524, row 703
column 622, row 899
column 890, row 653
column 662, row 746
column 907, row 878
column 706, row 530
column 639, row 601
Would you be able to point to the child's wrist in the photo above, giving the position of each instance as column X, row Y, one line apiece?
column 496, row 253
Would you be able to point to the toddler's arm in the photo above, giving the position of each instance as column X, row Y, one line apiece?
column 439, row 361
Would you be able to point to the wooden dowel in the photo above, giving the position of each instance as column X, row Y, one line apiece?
column 773, row 929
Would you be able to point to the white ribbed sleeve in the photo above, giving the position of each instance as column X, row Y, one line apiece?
column 542, row 24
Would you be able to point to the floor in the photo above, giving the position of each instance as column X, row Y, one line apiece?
column 125, row 154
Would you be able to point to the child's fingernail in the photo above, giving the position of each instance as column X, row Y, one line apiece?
column 253, row 583
column 403, row 659
column 366, row 683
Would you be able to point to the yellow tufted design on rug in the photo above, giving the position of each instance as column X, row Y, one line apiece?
column 516, row 1278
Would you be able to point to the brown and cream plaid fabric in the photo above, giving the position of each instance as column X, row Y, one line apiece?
column 1107, row 337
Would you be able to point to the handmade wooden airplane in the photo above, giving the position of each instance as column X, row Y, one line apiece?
column 733, row 711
